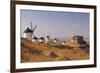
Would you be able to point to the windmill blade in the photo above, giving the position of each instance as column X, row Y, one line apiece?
column 34, row 28
column 31, row 26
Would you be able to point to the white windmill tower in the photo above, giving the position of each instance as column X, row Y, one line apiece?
column 55, row 40
column 29, row 33
column 47, row 39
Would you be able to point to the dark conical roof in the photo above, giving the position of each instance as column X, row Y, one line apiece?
column 35, row 37
column 28, row 30
column 42, row 38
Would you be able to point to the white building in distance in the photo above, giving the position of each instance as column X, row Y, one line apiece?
column 55, row 40
column 47, row 39
column 35, row 39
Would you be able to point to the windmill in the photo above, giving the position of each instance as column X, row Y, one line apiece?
column 33, row 29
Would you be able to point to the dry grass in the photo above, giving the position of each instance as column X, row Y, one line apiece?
column 41, row 52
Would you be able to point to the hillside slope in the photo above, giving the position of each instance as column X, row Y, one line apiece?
column 41, row 52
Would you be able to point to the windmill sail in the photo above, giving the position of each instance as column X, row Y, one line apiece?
column 33, row 29
column 31, row 26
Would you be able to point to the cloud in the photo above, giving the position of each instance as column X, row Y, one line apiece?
column 75, row 24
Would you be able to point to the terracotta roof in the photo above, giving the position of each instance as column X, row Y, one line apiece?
column 28, row 30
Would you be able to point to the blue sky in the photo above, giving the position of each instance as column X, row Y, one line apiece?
column 56, row 24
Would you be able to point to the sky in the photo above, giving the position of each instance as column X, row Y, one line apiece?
column 56, row 24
